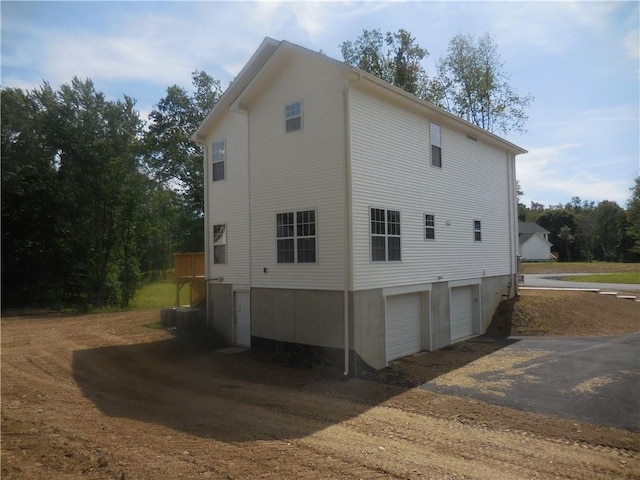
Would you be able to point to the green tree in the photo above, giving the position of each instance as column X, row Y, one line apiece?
column 98, row 180
column 554, row 220
column 610, row 219
column 394, row 57
column 173, row 160
column 29, row 201
column 633, row 219
column 567, row 239
column 73, row 196
column 472, row 84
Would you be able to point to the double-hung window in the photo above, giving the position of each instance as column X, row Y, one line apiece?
column 385, row 235
column 293, row 117
column 296, row 237
column 219, row 156
column 436, row 145
column 429, row 227
column 477, row 230
column 220, row 244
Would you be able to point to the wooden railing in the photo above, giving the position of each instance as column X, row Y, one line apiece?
column 189, row 268
column 189, row 265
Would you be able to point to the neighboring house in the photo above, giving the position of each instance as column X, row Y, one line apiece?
column 534, row 242
column 348, row 220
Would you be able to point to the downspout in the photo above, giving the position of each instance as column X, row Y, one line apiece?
column 249, row 213
column 347, row 223
column 511, row 199
column 206, row 227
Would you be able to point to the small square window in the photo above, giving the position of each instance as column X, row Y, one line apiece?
column 477, row 230
column 293, row 117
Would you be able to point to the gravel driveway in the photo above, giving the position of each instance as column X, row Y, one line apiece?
column 591, row 379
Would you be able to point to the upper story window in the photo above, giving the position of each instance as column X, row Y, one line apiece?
column 429, row 227
column 293, row 116
column 219, row 158
column 385, row 235
column 436, row 146
column 296, row 237
column 477, row 230
column 220, row 244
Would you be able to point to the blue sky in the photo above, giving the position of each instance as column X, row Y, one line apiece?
column 580, row 60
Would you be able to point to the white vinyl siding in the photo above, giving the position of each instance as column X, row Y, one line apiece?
column 474, row 184
column 228, row 201
column 535, row 248
column 298, row 172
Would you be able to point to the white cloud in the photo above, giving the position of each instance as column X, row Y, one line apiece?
column 632, row 43
column 555, row 174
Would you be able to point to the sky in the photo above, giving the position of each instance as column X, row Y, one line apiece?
column 580, row 61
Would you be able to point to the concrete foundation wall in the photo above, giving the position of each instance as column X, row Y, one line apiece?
column 315, row 319
column 369, row 326
column 220, row 309
column 309, row 317
column 493, row 291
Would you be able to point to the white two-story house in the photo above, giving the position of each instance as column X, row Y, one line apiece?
column 347, row 220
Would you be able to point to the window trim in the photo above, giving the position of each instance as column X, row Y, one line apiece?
column 386, row 235
column 226, row 242
column 435, row 141
column 223, row 161
column 295, row 236
column 477, row 230
column 431, row 227
column 288, row 117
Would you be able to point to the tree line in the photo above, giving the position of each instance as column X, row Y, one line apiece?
column 582, row 230
column 95, row 201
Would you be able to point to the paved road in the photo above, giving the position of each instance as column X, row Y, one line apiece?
column 555, row 281
column 596, row 380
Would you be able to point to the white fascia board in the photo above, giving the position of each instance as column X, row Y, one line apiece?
column 261, row 55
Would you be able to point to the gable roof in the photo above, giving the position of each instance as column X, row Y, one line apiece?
column 530, row 227
column 270, row 51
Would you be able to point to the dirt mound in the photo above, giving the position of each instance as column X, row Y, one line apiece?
column 565, row 313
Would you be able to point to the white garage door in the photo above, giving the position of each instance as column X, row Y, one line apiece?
column 403, row 325
column 461, row 313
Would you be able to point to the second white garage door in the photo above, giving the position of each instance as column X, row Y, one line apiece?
column 461, row 313
column 404, row 335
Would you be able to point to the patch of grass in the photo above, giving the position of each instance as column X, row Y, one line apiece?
column 580, row 267
column 158, row 295
column 626, row 277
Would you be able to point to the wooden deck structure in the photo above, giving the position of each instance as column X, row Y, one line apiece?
column 189, row 269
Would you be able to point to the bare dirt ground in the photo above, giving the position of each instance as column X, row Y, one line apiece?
column 111, row 396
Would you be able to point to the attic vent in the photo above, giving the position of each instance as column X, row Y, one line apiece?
column 472, row 138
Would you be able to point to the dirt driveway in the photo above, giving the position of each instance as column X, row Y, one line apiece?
column 111, row 397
